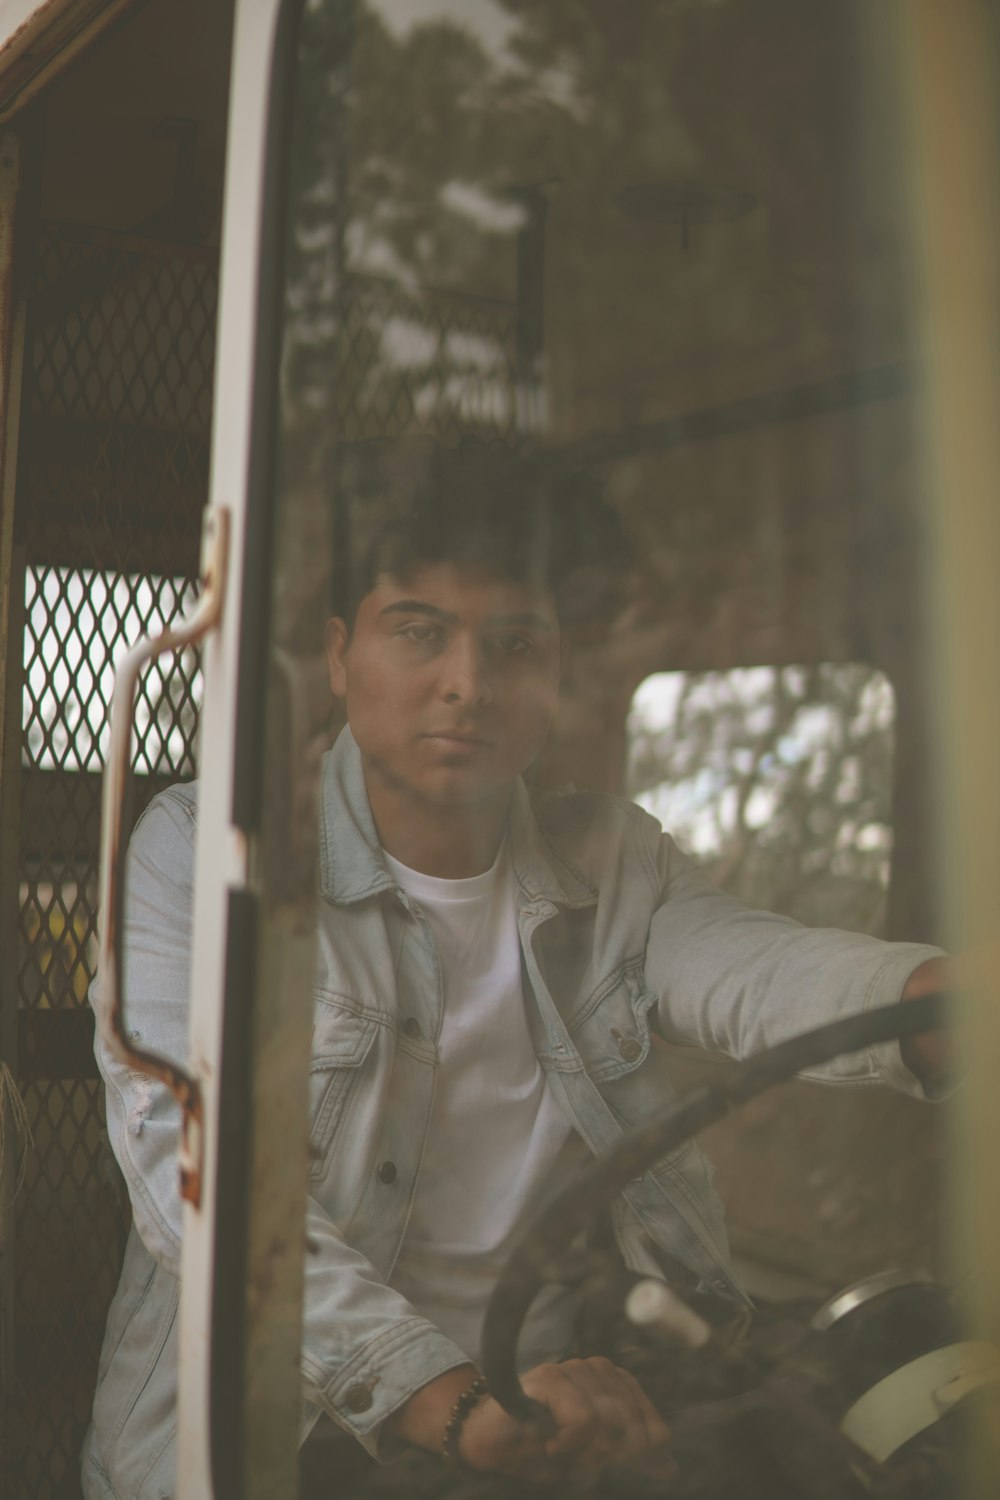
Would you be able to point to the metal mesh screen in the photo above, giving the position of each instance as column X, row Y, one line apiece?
column 113, row 474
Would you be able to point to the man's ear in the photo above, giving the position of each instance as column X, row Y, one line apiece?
column 338, row 638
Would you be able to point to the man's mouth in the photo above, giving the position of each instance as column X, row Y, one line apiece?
column 457, row 737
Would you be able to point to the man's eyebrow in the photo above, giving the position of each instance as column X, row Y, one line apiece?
column 525, row 619
column 529, row 619
column 418, row 607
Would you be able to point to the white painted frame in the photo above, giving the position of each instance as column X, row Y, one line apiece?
column 224, row 853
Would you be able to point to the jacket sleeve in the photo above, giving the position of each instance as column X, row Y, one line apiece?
column 365, row 1350
column 736, row 980
column 143, row 1117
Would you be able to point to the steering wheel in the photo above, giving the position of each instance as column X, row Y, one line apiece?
column 539, row 1256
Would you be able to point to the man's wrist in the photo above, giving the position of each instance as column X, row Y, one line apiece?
column 422, row 1419
column 452, row 1433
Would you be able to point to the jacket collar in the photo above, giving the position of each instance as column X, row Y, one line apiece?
column 543, row 872
column 351, row 864
column 350, row 859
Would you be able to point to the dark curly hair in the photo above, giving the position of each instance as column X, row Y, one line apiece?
column 413, row 503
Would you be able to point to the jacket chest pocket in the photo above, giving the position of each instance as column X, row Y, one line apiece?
column 342, row 1040
column 614, row 1042
column 612, row 1035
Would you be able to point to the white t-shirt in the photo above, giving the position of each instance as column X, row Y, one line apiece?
column 497, row 1137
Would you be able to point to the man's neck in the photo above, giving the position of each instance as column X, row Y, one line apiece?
column 450, row 843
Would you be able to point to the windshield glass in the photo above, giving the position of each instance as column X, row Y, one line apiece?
column 598, row 454
column 598, row 655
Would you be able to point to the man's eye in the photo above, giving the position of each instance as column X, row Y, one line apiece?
column 420, row 632
column 511, row 644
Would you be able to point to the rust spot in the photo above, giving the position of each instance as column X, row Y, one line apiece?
column 191, row 1151
column 191, row 1186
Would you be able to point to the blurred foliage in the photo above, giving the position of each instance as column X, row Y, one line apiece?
column 778, row 779
column 418, row 133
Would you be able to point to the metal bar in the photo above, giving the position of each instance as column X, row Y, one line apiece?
column 12, row 323
column 225, row 847
column 55, row 1044
column 54, row 544
column 263, row 1166
column 137, row 244
column 60, row 815
column 115, row 828
column 847, row 392
column 227, row 1408
column 949, row 70
column 11, row 636
column 10, row 353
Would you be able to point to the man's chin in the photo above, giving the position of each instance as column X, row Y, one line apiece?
column 444, row 786
column 461, row 791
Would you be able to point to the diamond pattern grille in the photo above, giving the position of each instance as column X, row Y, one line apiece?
column 78, row 623
column 113, row 475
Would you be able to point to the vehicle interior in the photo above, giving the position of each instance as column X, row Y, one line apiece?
column 669, row 244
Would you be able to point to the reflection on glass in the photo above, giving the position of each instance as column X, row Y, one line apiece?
column 567, row 275
column 778, row 779
column 596, row 368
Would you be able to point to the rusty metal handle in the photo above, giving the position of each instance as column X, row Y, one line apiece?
column 114, row 834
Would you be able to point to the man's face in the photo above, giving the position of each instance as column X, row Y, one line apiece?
column 450, row 679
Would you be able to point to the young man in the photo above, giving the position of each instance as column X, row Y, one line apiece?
column 492, row 965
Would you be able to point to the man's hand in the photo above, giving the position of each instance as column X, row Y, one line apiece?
column 927, row 1056
column 600, row 1419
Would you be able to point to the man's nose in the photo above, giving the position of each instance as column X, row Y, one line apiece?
column 466, row 675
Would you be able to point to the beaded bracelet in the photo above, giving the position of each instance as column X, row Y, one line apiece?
column 456, row 1417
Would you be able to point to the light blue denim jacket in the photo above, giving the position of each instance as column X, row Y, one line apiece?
column 624, row 942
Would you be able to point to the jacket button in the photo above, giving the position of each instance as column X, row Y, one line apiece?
column 386, row 1173
column 411, row 1026
column 358, row 1398
column 629, row 1048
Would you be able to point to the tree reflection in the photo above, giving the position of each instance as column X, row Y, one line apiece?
column 779, row 779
